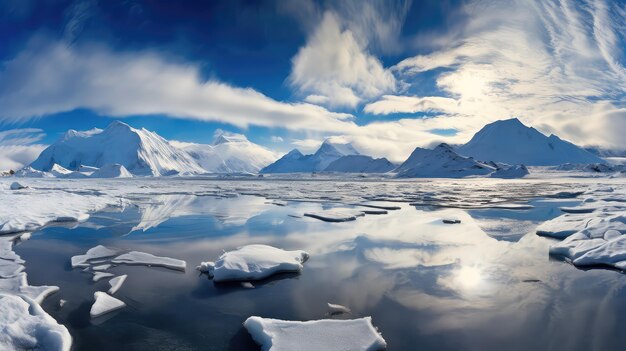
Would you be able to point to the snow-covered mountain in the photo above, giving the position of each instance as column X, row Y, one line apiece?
column 139, row 151
column 441, row 162
column 229, row 153
column 360, row 164
column 295, row 161
column 512, row 142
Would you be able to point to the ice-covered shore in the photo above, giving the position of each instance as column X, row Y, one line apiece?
column 24, row 325
column 593, row 232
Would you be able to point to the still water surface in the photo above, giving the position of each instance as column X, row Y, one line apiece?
column 484, row 284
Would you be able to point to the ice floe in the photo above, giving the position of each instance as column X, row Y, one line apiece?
column 104, row 304
column 337, row 309
column 146, row 259
column 325, row 334
column 95, row 253
column 116, row 283
column 101, row 275
column 254, row 262
column 335, row 215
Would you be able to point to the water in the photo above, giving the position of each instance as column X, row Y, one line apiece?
column 485, row 284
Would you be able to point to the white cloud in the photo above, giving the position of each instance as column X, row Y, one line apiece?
column 335, row 69
column 411, row 104
column 19, row 147
column 276, row 139
column 557, row 65
column 47, row 79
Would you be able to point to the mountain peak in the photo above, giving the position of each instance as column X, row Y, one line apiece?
column 512, row 142
column 224, row 138
column 333, row 147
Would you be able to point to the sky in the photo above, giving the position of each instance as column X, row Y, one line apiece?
column 387, row 76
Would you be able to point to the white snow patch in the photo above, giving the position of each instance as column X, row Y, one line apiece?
column 325, row 334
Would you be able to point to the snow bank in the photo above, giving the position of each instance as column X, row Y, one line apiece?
column 104, row 304
column 146, row 259
column 111, row 171
column 510, row 172
column 254, row 262
column 25, row 326
column 326, row 334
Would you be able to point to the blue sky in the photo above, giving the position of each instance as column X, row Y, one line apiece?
column 384, row 75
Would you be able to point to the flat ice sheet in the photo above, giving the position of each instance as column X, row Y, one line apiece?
column 104, row 304
column 146, row 259
column 326, row 334
column 95, row 253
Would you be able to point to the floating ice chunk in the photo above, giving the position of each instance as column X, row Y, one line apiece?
column 325, row 334
column 254, row 262
column 102, row 267
column 451, row 221
column 375, row 212
column 206, row 267
column 94, row 253
column 101, row 275
column 26, row 326
column 104, row 304
column 17, row 186
column 337, row 309
column 62, row 303
column 247, row 285
column 146, row 259
column 116, row 283
column 335, row 215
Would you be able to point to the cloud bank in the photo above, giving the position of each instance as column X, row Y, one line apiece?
column 558, row 65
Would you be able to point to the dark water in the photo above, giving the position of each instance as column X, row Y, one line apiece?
column 484, row 284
